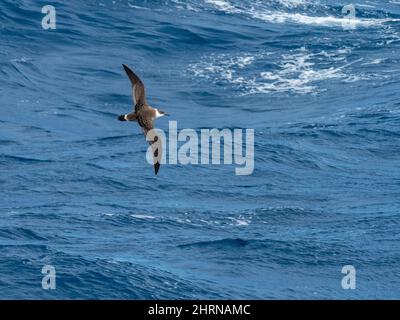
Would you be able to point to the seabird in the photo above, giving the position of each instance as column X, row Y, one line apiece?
column 143, row 113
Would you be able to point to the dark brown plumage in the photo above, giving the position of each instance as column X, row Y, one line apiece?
column 144, row 114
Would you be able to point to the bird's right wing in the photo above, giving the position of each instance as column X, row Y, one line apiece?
column 138, row 92
column 154, row 140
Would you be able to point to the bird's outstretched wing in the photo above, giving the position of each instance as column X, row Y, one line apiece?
column 138, row 92
column 154, row 140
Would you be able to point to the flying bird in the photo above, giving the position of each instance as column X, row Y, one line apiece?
column 144, row 114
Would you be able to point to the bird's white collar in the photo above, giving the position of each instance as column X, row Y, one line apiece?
column 158, row 114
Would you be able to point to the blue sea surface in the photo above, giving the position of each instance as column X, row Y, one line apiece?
column 322, row 96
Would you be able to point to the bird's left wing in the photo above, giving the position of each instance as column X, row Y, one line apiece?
column 138, row 91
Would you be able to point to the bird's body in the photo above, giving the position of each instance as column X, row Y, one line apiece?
column 144, row 114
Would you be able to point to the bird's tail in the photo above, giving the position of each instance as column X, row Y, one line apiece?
column 128, row 117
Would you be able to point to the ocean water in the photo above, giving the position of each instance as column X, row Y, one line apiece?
column 77, row 193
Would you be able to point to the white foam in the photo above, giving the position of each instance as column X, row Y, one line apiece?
column 299, row 74
column 240, row 222
column 292, row 3
column 298, row 71
column 136, row 7
column 284, row 17
column 184, row 5
column 244, row 61
column 108, row 214
column 222, row 5
column 261, row 13
column 375, row 61
column 22, row 60
column 223, row 66
column 142, row 216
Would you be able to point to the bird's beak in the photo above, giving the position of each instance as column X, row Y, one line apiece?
column 166, row 114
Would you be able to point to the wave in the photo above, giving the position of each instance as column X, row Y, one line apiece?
column 329, row 21
column 7, row 158
column 259, row 11
column 5, row 142
column 17, row 233
column 282, row 252
column 299, row 71
column 85, row 278
column 238, row 242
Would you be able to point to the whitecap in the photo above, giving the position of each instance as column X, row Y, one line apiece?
column 375, row 61
column 108, row 214
column 285, row 17
column 298, row 71
column 142, row 216
column 222, row 5
column 240, row 222
column 292, row 3
column 261, row 13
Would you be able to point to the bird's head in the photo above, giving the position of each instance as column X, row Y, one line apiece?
column 161, row 113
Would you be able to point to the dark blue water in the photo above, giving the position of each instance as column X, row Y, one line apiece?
column 77, row 193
